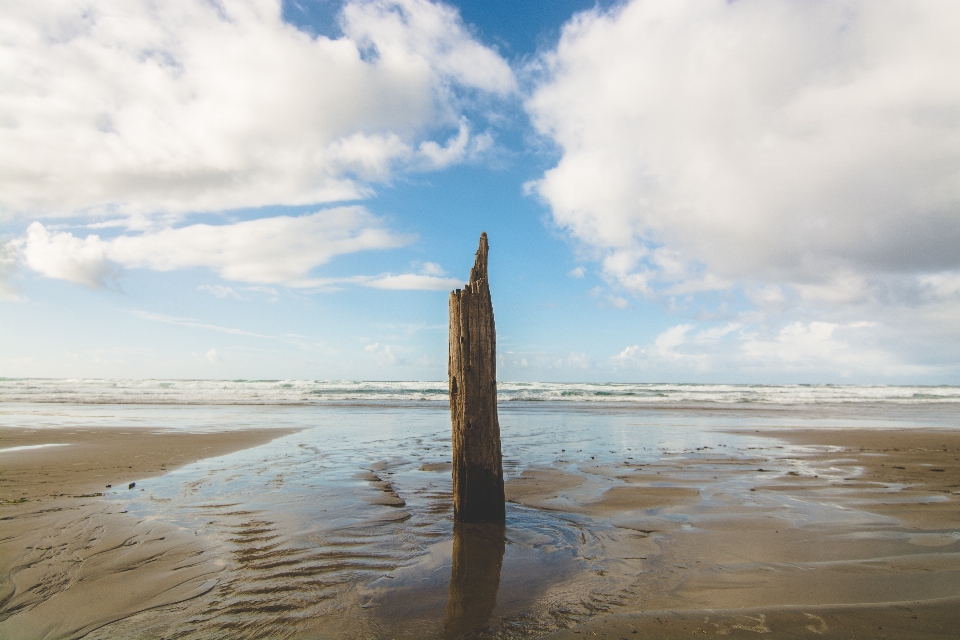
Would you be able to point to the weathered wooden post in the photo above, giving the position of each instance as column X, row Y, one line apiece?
column 477, row 463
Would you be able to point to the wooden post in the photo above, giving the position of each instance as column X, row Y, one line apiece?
column 477, row 463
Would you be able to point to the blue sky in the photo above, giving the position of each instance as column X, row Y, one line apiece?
column 692, row 191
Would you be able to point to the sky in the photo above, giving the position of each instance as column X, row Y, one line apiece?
column 748, row 191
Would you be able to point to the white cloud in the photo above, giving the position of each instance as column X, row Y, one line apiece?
column 578, row 360
column 384, row 355
column 762, row 140
column 196, row 324
column 577, row 272
column 801, row 157
column 413, row 281
column 282, row 249
column 632, row 356
column 220, row 291
column 823, row 350
column 618, row 302
column 8, row 269
column 430, row 269
column 815, row 345
column 187, row 105
column 65, row 257
column 438, row 157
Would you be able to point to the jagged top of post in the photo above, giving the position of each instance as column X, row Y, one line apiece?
column 478, row 275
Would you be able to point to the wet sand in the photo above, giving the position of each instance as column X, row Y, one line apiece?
column 886, row 564
column 86, row 461
column 72, row 562
column 806, row 533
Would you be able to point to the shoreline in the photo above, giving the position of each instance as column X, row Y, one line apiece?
column 805, row 532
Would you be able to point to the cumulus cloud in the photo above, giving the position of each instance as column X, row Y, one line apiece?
column 384, row 355
column 188, row 105
column 281, row 249
column 65, row 257
column 708, row 143
column 212, row 356
column 821, row 349
column 412, row 281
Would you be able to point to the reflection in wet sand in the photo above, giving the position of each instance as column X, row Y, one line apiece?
column 475, row 576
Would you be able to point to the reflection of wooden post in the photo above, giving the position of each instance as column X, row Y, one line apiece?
column 474, row 577
column 477, row 465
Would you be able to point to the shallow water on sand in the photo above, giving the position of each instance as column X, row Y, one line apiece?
column 345, row 528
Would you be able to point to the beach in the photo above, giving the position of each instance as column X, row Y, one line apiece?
column 335, row 521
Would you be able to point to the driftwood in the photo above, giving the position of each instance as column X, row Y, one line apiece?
column 477, row 463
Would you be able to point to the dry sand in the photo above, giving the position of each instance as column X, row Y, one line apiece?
column 72, row 563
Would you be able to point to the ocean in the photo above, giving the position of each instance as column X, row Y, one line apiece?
column 319, row 392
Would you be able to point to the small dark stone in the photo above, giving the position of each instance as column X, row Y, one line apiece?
column 131, row 485
column 109, row 485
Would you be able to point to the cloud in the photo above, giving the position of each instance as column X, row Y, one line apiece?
column 430, row 268
column 196, row 324
column 825, row 350
column 220, row 291
column 818, row 345
column 142, row 107
column 632, row 356
column 384, row 355
column 413, row 281
column 212, row 356
column 65, row 257
column 755, row 139
column 281, row 249
column 8, row 269
column 278, row 250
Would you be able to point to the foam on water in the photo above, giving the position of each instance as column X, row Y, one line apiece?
column 315, row 392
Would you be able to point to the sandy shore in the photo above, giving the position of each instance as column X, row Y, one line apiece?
column 84, row 461
column 810, row 533
column 785, row 560
column 71, row 562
